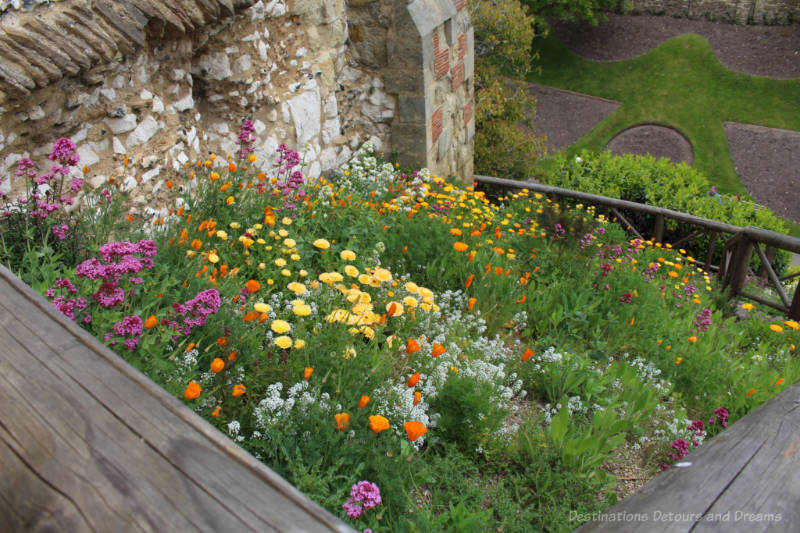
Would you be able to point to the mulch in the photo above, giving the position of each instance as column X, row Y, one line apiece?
column 767, row 160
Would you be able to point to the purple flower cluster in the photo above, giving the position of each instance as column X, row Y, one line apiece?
column 587, row 240
column 720, row 414
column 60, row 231
column 681, row 448
column 290, row 181
column 698, row 427
column 62, row 301
column 703, row 320
column 559, row 229
column 247, row 137
column 194, row 312
column 129, row 326
column 626, row 298
column 363, row 495
column 119, row 259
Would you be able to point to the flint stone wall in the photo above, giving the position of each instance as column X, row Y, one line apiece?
column 167, row 82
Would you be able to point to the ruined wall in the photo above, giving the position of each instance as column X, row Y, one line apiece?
column 166, row 83
column 732, row 11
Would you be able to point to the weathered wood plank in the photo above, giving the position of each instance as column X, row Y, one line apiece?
column 98, row 446
column 744, row 479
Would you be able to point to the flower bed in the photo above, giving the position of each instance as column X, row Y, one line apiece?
column 409, row 354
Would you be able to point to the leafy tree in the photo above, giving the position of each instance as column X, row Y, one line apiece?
column 505, row 144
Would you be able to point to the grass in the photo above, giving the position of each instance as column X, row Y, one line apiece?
column 680, row 84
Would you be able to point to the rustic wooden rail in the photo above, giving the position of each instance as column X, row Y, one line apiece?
column 737, row 252
column 743, row 480
column 88, row 443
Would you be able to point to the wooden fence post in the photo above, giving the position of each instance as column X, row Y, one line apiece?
column 769, row 254
column 739, row 265
column 794, row 309
column 658, row 230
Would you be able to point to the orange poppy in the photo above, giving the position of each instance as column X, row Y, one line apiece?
column 252, row 315
column 363, row 402
column 415, row 430
column 217, row 365
column 471, row 303
column 232, row 356
column 527, row 354
column 438, row 350
column 232, row 167
column 151, row 322
column 192, row 391
column 417, row 397
column 412, row 346
column 215, row 412
column 252, row 286
column 342, row 420
column 307, row 371
column 222, row 341
column 378, row 423
column 238, row 390
column 413, row 380
column 470, row 279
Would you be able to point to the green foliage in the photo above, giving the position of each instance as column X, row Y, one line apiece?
column 574, row 10
column 504, row 108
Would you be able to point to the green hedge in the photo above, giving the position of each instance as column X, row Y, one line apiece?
column 645, row 179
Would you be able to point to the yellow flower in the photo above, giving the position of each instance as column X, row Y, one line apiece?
column 425, row 292
column 394, row 309
column 230, row 200
column 322, row 244
column 286, row 221
column 261, row 307
column 222, row 235
column 289, row 243
column 383, row 275
column 280, row 326
column 283, row 342
column 262, row 266
column 295, row 257
column 213, row 258
column 234, row 225
column 347, row 255
column 792, row 324
column 280, row 262
column 297, row 288
column 282, row 232
column 410, row 302
column 299, row 343
column 412, row 287
column 351, row 271
column 747, row 306
column 350, row 352
column 776, row 328
column 301, row 309
column 303, row 273
column 286, row 272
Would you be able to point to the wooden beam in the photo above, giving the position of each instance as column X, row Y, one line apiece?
column 658, row 229
column 627, row 224
column 740, row 265
column 767, row 265
column 762, row 300
column 794, row 309
column 710, row 253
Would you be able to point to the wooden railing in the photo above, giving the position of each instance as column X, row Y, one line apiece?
column 739, row 243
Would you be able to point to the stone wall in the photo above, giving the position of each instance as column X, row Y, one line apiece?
column 732, row 11
column 165, row 83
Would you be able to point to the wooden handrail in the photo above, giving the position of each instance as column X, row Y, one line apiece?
column 738, row 248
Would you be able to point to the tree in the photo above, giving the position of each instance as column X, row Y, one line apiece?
column 505, row 145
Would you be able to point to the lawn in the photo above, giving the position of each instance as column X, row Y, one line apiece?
column 408, row 353
column 679, row 84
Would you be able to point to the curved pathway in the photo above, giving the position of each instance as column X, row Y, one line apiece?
column 772, row 51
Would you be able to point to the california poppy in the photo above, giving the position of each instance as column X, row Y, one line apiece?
column 363, row 402
column 342, row 420
column 252, row 286
column 238, row 390
column 438, row 350
column 415, row 430
column 307, row 371
column 192, row 391
column 527, row 354
column 378, row 423
column 412, row 346
column 151, row 322
column 413, row 380
column 217, row 365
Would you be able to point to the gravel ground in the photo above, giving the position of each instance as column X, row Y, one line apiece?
column 658, row 141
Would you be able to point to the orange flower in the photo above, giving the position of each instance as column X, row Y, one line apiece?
column 459, row 246
column 527, row 354
column 471, row 303
column 417, row 397
column 192, row 391
column 151, row 322
column 252, row 315
column 633, row 319
column 217, row 365
column 342, row 420
column 776, row 328
column 189, row 348
column 392, row 309
column 438, row 350
column 415, row 430
column 455, row 231
column 778, row 383
column 412, row 346
column 678, row 360
column 750, row 392
column 222, row 341
column 238, row 390
column 378, row 423
column 215, row 412
column 232, row 356
column 471, row 255
column 413, row 380
column 252, row 286
column 693, row 338
column 232, row 167
column 363, row 402
column 470, row 279
column 522, row 300
column 196, row 244
column 307, row 371
column 405, row 249
column 169, row 184
column 498, row 271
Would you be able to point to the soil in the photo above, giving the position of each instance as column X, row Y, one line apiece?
column 767, row 160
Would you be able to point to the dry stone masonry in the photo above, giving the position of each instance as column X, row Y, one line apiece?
column 165, row 83
column 732, row 11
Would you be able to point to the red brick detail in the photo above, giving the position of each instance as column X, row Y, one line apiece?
column 460, row 4
column 441, row 58
column 458, row 75
column 467, row 112
column 462, row 45
column 436, row 124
